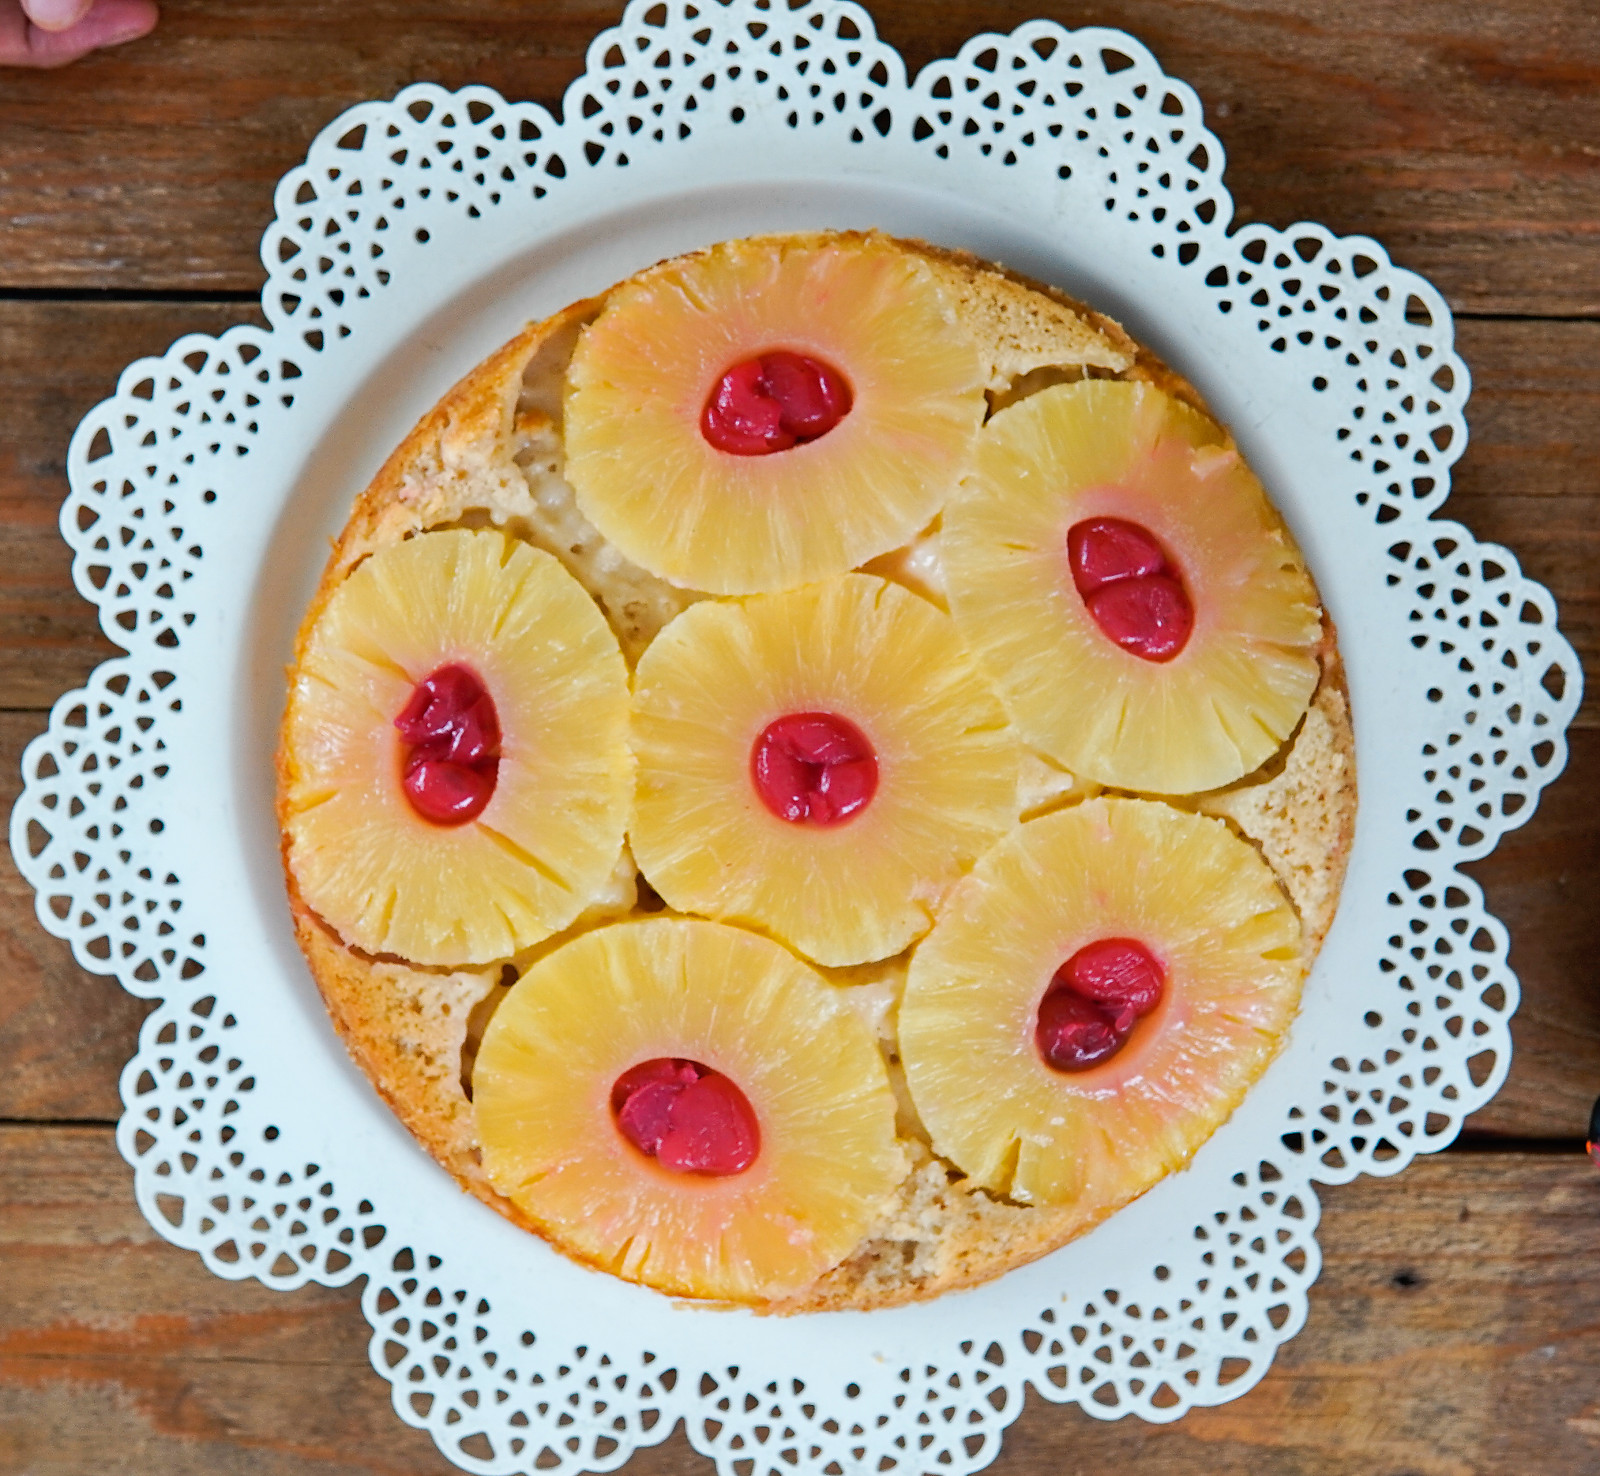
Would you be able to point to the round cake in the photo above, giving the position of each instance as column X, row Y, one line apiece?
column 816, row 776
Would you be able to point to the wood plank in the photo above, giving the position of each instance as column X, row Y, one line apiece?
column 120, row 1353
column 57, row 361
column 1542, row 881
column 1455, row 1329
column 1530, row 476
column 1460, row 136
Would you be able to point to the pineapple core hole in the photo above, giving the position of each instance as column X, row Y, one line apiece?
column 1131, row 587
column 686, row 1116
column 814, row 768
column 450, row 736
column 1093, row 1000
column 774, row 402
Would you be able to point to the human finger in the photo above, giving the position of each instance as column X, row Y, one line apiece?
column 109, row 23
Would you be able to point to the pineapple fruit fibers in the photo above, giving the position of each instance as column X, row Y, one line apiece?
column 815, row 777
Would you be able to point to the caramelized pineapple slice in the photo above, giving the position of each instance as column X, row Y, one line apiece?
column 771, row 412
column 1096, row 1000
column 689, row 1106
column 821, row 764
column 1120, row 574
column 502, row 815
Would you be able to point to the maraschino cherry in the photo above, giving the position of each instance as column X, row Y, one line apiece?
column 814, row 768
column 1093, row 1000
column 452, row 755
column 1132, row 589
column 774, row 402
column 687, row 1117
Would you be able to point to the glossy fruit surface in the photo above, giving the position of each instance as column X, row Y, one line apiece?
column 451, row 756
column 392, row 880
column 721, row 1001
column 1186, row 889
column 1233, row 611
column 1130, row 586
column 1095, row 999
column 774, row 402
column 814, row 768
column 687, row 1117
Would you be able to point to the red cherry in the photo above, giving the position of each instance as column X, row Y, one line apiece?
column 642, row 1099
column 687, row 1117
column 1094, row 998
column 813, row 395
column 475, row 735
column 1119, row 973
column 658, row 1068
column 1102, row 550
column 814, row 768
column 741, row 418
column 446, row 793
column 436, row 701
column 647, row 1115
column 1130, row 586
column 1073, row 1033
column 713, row 1130
column 1151, row 618
column 452, row 737
column 774, row 402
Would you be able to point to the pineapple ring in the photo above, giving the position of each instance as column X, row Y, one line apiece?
column 387, row 880
column 747, row 1008
column 891, row 665
column 1106, row 448
column 641, row 375
column 1187, row 888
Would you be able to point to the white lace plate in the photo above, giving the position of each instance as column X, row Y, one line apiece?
column 418, row 235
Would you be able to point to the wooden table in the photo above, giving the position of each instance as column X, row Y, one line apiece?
column 1456, row 1326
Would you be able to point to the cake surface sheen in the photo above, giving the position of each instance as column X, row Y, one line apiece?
column 491, row 457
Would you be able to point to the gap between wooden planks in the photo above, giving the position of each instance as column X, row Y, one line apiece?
column 1466, row 138
column 1454, row 1331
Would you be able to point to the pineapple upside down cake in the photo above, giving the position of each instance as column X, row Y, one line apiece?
column 816, row 776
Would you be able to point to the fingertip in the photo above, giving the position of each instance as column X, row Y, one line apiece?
column 56, row 15
column 109, row 23
column 116, row 22
column 25, row 43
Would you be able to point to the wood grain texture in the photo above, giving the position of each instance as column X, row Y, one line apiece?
column 1455, row 1331
column 1530, row 476
column 120, row 1353
column 1464, row 137
column 1543, row 881
column 57, row 361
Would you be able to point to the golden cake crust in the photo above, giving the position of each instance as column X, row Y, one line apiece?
column 489, row 454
